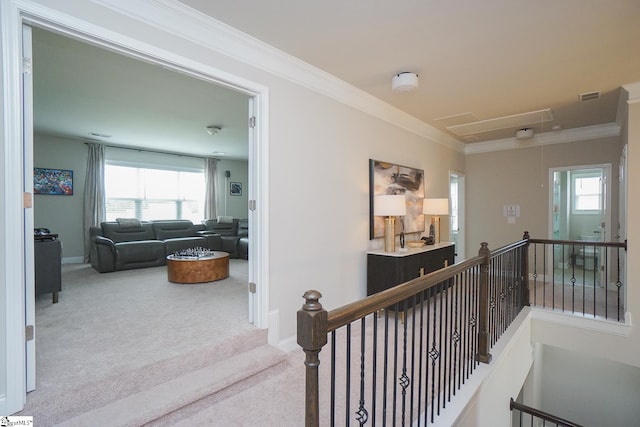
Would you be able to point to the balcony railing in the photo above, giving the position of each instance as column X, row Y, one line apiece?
column 580, row 277
column 401, row 355
column 404, row 366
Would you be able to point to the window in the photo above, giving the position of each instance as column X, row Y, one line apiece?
column 148, row 194
column 587, row 197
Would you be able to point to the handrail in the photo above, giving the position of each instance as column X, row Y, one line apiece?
column 490, row 314
column 541, row 414
column 348, row 313
column 581, row 243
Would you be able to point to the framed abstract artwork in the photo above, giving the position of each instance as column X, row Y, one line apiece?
column 53, row 181
column 389, row 178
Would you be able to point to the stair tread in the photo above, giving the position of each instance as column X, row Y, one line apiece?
column 169, row 396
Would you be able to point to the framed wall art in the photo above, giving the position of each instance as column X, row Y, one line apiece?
column 53, row 181
column 235, row 189
column 389, row 178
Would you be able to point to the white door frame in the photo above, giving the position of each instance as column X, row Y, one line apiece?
column 15, row 13
column 461, row 246
column 606, row 167
column 29, row 272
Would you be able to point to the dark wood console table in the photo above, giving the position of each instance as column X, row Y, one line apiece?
column 388, row 269
column 48, row 269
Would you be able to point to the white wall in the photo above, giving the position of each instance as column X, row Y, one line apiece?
column 523, row 179
column 318, row 156
column 608, row 392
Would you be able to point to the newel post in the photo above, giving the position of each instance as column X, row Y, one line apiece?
column 312, row 336
column 525, row 270
column 483, row 322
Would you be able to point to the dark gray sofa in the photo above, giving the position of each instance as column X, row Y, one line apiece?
column 228, row 232
column 129, row 244
column 243, row 243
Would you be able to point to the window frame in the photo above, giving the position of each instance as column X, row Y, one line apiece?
column 138, row 202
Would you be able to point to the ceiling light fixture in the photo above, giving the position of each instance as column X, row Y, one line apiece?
column 404, row 82
column 525, row 133
column 212, row 130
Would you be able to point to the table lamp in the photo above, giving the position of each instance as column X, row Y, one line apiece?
column 389, row 206
column 435, row 207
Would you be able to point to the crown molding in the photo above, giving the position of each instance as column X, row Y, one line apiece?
column 633, row 89
column 547, row 138
column 196, row 27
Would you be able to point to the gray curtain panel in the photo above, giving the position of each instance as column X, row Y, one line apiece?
column 211, row 186
column 94, row 193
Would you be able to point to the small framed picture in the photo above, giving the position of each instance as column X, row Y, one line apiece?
column 235, row 189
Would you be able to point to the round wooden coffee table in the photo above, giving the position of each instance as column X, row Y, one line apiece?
column 198, row 270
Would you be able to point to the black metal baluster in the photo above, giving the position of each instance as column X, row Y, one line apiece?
column 413, row 356
column 573, row 281
column 606, row 281
column 618, row 282
column 374, row 373
column 347, row 393
column 333, row 378
column 404, row 380
column 456, row 335
column 433, row 353
column 420, row 352
column 595, row 283
column 395, row 363
column 440, row 347
column 535, row 276
column 385, row 368
column 361, row 414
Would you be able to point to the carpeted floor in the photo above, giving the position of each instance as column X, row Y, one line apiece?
column 114, row 333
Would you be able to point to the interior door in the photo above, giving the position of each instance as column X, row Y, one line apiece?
column 29, row 272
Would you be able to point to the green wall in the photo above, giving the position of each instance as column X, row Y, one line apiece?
column 63, row 214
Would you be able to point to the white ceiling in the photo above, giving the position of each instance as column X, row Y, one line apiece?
column 479, row 60
column 80, row 88
column 490, row 58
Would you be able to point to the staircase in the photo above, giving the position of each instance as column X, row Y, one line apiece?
column 168, row 391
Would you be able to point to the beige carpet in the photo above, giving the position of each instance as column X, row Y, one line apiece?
column 114, row 334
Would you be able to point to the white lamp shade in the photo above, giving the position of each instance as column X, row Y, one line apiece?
column 435, row 206
column 389, row 205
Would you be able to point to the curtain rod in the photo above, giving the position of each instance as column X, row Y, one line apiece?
column 148, row 150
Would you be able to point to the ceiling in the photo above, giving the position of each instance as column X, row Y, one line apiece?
column 479, row 60
column 80, row 89
column 476, row 61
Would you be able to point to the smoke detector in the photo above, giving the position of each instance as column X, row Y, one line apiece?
column 404, row 82
column 525, row 133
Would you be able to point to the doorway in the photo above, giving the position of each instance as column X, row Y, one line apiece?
column 257, row 182
column 456, row 218
column 580, row 211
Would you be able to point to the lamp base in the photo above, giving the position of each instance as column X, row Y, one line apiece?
column 390, row 234
column 435, row 222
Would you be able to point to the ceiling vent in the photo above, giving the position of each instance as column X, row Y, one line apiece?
column 506, row 122
column 588, row 96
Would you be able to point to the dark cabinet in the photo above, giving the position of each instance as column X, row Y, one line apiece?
column 48, row 268
column 388, row 269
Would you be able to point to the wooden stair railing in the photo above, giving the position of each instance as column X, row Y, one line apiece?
column 539, row 415
column 314, row 323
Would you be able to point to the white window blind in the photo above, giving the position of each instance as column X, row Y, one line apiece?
column 148, row 194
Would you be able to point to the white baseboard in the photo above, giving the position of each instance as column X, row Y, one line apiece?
column 73, row 260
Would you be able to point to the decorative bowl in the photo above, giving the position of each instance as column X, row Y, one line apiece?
column 415, row 243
